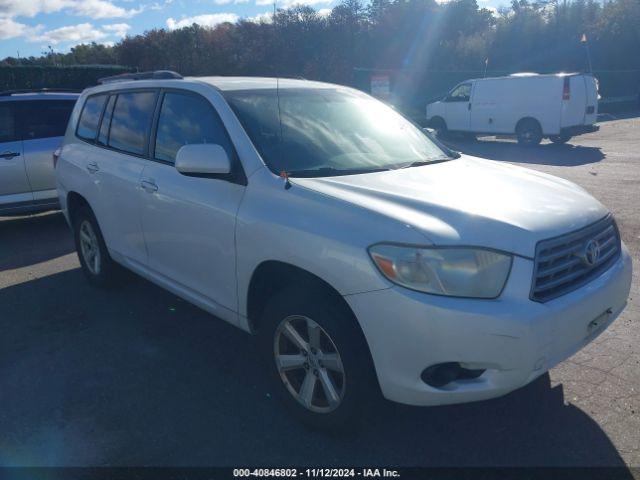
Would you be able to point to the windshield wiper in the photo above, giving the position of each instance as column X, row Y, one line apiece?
column 420, row 163
column 332, row 172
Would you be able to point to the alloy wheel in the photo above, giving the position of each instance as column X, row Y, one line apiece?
column 89, row 247
column 309, row 364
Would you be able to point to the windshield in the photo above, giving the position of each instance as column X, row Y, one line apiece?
column 320, row 132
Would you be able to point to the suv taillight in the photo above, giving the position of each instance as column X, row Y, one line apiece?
column 566, row 89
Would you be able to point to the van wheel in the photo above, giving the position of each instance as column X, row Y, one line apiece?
column 94, row 257
column 529, row 132
column 560, row 139
column 317, row 359
column 440, row 126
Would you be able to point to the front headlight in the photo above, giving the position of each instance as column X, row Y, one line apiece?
column 456, row 272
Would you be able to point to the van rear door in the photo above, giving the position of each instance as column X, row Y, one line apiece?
column 591, row 112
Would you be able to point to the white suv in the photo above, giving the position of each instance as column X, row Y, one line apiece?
column 366, row 257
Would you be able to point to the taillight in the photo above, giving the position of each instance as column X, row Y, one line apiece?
column 56, row 156
column 566, row 89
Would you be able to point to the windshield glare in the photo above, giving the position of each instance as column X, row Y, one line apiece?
column 303, row 130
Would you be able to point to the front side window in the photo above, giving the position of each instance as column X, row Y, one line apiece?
column 44, row 118
column 186, row 119
column 131, row 120
column 320, row 132
column 7, row 123
column 462, row 93
column 90, row 117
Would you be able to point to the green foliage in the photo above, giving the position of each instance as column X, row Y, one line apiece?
column 426, row 46
column 40, row 76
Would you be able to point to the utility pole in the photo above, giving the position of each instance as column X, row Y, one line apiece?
column 585, row 42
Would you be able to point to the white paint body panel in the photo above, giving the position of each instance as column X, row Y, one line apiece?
column 204, row 238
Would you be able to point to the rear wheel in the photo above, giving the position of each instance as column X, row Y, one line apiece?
column 317, row 358
column 529, row 132
column 560, row 139
column 95, row 260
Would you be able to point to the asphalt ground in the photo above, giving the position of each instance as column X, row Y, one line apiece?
column 134, row 376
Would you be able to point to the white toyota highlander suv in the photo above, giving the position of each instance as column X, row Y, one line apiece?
column 367, row 258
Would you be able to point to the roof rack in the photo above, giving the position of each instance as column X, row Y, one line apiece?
column 155, row 75
column 7, row 93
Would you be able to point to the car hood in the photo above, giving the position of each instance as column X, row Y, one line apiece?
column 469, row 201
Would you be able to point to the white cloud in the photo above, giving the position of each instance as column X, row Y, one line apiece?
column 324, row 12
column 227, row 2
column 266, row 17
column 117, row 29
column 81, row 33
column 210, row 20
column 95, row 9
column 11, row 29
column 291, row 3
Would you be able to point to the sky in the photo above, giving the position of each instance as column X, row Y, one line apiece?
column 30, row 27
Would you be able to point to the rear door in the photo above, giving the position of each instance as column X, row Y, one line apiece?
column 42, row 125
column 14, row 185
column 123, row 139
column 591, row 86
column 457, row 107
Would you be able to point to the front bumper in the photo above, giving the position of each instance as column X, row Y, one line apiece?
column 513, row 338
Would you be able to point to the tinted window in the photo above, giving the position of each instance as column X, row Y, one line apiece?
column 186, row 119
column 103, row 136
column 7, row 123
column 44, row 118
column 90, row 117
column 131, row 120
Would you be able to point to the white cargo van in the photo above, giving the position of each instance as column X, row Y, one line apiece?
column 528, row 105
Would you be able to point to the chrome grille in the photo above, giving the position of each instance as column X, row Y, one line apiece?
column 567, row 262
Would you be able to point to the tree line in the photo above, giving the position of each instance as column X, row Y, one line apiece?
column 417, row 37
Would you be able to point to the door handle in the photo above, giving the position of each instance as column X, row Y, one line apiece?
column 149, row 186
column 92, row 167
column 9, row 155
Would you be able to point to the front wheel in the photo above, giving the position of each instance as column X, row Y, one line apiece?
column 317, row 358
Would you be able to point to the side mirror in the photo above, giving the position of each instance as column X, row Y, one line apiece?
column 202, row 159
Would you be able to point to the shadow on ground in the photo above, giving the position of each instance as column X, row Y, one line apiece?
column 33, row 239
column 566, row 155
column 136, row 376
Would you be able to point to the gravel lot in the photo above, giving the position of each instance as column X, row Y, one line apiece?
column 136, row 376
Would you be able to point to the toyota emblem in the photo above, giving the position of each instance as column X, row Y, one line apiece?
column 591, row 253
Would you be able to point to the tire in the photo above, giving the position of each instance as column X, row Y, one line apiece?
column 529, row 132
column 341, row 344
column 440, row 126
column 96, row 263
column 560, row 139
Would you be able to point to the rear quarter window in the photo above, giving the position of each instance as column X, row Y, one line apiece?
column 90, row 117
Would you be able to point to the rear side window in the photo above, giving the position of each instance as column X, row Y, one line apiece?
column 131, row 121
column 44, row 118
column 90, row 117
column 187, row 119
column 7, row 123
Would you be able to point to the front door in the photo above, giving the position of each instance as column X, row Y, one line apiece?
column 189, row 222
column 457, row 110
column 14, row 185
